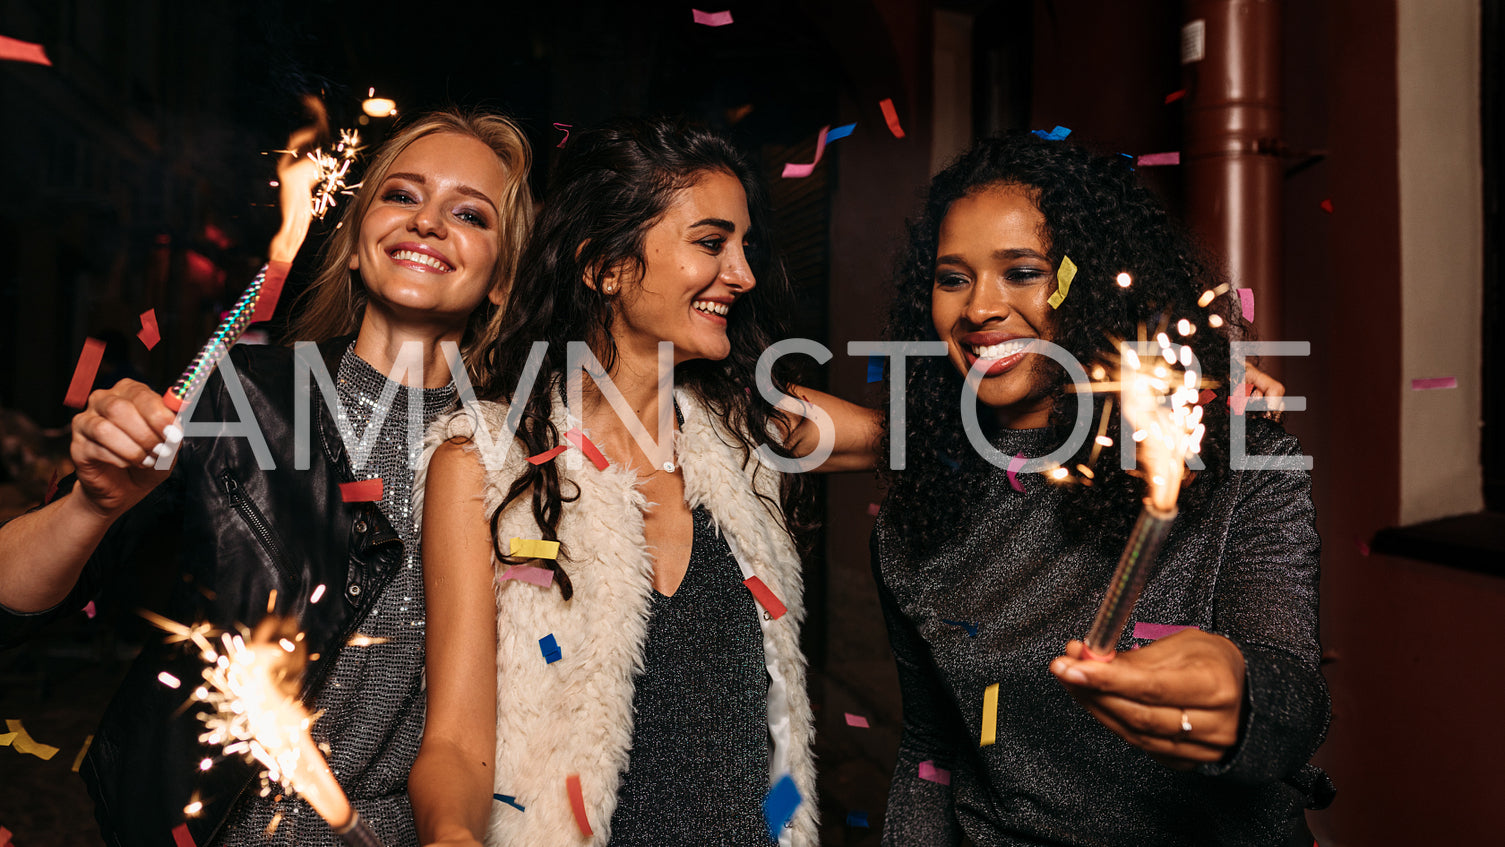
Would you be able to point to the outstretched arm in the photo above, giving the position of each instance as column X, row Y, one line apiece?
column 858, row 430
column 452, row 779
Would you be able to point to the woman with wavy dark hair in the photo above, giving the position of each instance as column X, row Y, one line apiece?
column 1201, row 737
column 648, row 688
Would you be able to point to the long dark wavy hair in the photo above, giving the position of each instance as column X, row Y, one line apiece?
column 1097, row 213
column 611, row 186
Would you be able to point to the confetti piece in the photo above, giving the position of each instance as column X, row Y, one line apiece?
column 1154, row 631
column 928, row 771
column 765, row 597
column 857, row 721
column 1434, row 383
column 857, row 819
column 586, row 446
column 873, row 509
column 792, row 170
column 989, row 715
column 1246, row 303
column 22, row 742
column 779, row 805
column 1152, row 159
column 1363, row 546
column 4, row 837
column 542, row 577
column 550, row 649
column 1327, row 205
column 181, row 837
column 971, row 628
column 83, row 373
column 149, row 334
column 1239, row 398
column 874, row 368
column 1014, row 465
column 78, row 760
column 1205, row 396
column 7, row 737
column 1057, row 134
column 840, row 132
column 891, row 116
column 708, row 19
column 547, row 455
column 271, row 290
column 1064, row 275
column 533, row 548
column 51, row 488
column 363, row 491
column 564, row 128
column 90, row 610
column 577, row 803
column 509, row 800
column 16, row 50
column 1174, row 96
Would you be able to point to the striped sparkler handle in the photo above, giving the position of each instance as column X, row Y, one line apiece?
column 256, row 304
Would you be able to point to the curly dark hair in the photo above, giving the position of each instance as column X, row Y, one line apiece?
column 1097, row 213
column 611, row 186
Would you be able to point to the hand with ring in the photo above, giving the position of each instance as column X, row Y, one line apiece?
column 1178, row 699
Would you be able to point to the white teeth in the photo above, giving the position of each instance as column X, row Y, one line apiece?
column 420, row 258
column 999, row 351
column 712, row 307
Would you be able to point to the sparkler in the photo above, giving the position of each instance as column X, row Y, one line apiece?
column 333, row 168
column 1159, row 398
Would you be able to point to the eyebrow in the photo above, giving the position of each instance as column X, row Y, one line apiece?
column 463, row 189
column 718, row 222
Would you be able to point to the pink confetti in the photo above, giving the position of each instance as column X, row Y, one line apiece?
column 712, row 18
column 891, row 116
column 89, row 609
column 793, row 171
column 564, row 128
column 1246, row 303
column 1152, row 159
column 929, row 771
column 1014, row 465
column 1239, row 398
column 1434, row 383
column 542, row 577
column 149, row 334
column 17, row 50
column 872, row 509
column 856, row 720
column 1153, row 631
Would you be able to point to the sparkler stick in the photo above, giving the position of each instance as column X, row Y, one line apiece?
column 1159, row 398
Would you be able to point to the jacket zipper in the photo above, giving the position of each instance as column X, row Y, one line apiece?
column 258, row 524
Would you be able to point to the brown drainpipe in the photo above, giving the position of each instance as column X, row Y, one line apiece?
column 1231, row 154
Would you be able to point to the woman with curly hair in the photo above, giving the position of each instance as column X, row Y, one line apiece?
column 651, row 690
column 1201, row 737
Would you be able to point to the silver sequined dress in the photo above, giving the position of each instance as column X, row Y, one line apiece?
column 373, row 701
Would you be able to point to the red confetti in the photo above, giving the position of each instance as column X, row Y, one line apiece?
column 364, row 491
column 580, row 440
column 873, row 509
column 181, row 837
column 149, row 334
column 547, row 455
column 1327, row 205
column 1363, row 547
column 17, row 50
column 4, row 837
column 1205, row 396
column 891, row 116
column 1434, row 383
column 765, row 597
column 271, row 290
column 577, row 803
column 83, row 374
column 1174, row 96
column 51, row 488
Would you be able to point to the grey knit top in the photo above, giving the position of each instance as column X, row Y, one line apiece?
column 1243, row 565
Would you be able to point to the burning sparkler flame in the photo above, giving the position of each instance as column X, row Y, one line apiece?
column 1160, row 402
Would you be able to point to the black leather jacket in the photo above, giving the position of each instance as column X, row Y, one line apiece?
column 244, row 532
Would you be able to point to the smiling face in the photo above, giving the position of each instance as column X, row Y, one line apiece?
column 428, row 244
column 694, row 269
column 988, row 302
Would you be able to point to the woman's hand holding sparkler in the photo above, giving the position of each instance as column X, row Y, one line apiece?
column 117, row 441
column 1179, row 699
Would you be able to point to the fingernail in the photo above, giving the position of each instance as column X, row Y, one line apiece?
column 173, row 433
column 161, row 449
column 148, row 463
column 1075, row 675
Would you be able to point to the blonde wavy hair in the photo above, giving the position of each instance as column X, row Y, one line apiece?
column 335, row 302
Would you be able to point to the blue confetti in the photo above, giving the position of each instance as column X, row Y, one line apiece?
column 778, row 807
column 971, row 628
column 857, row 819
column 550, row 648
column 875, row 368
column 950, row 462
column 840, row 132
column 511, row 801
column 1057, row 134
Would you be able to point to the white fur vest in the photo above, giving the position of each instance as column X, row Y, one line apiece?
column 575, row 716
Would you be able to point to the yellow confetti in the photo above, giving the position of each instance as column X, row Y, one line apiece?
column 79, row 759
column 24, row 743
column 1064, row 275
column 989, row 715
column 535, row 549
column 6, row 738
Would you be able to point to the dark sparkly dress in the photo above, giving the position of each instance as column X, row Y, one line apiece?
column 1243, row 565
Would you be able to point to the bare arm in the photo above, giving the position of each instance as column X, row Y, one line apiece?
column 43, row 553
column 858, row 431
column 451, row 782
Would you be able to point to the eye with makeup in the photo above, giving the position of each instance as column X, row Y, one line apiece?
column 474, row 218
column 1025, row 276
column 713, row 244
column 951, row 280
